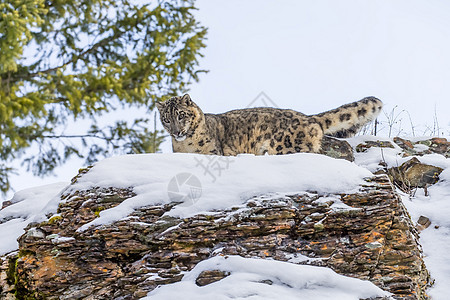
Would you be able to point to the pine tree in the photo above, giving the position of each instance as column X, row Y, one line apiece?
column 64, row 61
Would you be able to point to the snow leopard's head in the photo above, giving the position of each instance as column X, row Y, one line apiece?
column 180, row 116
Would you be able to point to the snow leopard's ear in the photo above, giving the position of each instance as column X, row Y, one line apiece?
column 159, row 105
column 186, row 99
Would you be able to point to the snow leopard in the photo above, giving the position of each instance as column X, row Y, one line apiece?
column 262, row 130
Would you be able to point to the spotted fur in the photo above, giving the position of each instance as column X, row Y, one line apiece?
column 259, row 130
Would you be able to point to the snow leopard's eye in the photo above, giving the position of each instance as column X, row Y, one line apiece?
column 181, row 116
column 166, row 120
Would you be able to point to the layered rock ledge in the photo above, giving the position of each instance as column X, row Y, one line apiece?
column 367, row 234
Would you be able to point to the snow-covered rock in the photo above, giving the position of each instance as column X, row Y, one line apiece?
column 132, row 223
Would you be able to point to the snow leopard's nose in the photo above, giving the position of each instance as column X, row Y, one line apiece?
column 179, row 131
column 175, row 130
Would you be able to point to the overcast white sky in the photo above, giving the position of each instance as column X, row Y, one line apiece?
column 313, row 56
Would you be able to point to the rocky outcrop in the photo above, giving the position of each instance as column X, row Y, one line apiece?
column 337, row 148
column 367, row 235
column 413, row 174
column 424, row 146
column 419, row 147
column 7, row 276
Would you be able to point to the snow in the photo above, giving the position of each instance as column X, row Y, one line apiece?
column 337, row 204
column 435, row 241
column 209, row 183
column 297, row 258
column 258, row 279
column 30, row 205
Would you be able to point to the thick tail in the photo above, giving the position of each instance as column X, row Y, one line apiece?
column 347, row 120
